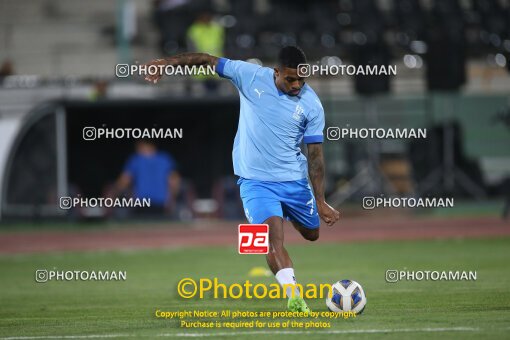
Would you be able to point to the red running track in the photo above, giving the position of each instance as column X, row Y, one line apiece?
column 225, row 233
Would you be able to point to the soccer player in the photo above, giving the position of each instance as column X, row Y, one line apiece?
column 278, row 112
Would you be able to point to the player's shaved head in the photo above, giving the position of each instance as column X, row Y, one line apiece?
column 286, row 77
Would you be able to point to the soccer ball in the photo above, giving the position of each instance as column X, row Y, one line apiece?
column 346, row 295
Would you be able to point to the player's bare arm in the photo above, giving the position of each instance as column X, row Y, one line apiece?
column 122, row 184
column 184, row 59
column 316, row 173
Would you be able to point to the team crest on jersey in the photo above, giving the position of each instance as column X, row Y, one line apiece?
column 298, row 113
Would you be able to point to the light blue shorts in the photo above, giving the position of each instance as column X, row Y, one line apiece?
column 292, row 200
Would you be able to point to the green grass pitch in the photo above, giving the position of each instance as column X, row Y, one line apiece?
column 417, row 310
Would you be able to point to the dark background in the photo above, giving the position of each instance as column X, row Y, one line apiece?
column 203, row 154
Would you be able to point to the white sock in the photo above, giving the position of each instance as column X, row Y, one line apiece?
column 286, row 276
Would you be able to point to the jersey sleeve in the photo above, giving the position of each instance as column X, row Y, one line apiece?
column 130, row 166
column 314, row 129
column 241, row 73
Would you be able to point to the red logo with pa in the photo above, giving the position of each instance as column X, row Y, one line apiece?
column 253, row 239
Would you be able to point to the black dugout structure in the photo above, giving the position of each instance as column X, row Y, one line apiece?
column 51, row 153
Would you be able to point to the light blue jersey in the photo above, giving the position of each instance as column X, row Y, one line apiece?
column 272, row 125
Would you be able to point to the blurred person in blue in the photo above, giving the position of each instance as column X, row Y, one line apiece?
column 152, row 174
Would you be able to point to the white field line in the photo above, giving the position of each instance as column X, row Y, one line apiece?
column 261, row 332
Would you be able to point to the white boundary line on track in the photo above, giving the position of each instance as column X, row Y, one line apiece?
column 261, row 332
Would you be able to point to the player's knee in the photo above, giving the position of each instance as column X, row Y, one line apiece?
column 313, row 235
